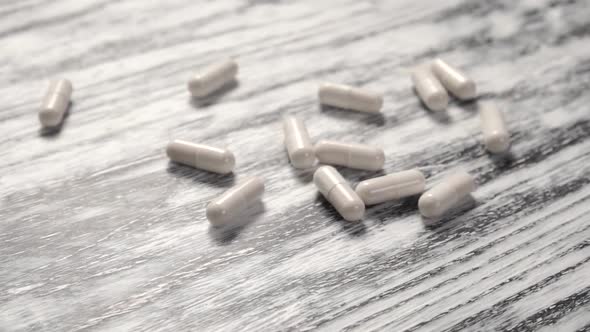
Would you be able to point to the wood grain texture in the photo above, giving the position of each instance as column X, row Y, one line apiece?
column 99, row 232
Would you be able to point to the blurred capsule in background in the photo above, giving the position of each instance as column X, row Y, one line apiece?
column 359, row 156
column 55, row 103
column 213, row 78
column 232, row 205
column 348, row 97
column 339, row 193
column 429, row 88
column 201, row 156
column 495, row 132
column 391, row 187
column 297, row 142
column 446, row 194
column 454, row 80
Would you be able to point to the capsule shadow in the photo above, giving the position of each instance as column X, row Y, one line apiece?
column 502, row 161
column 303, row 175
column 49, row 132
column 356, row 175
column 352, row 228
column 225, row 235
column 470, row 105
column 464, row 206
column 215, row 96
column 201, row 176
column 374, row 119
column 326, row 207
column 386, row 212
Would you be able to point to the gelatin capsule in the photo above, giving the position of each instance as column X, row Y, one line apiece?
column 391, row 187
column 225, row 209
column 298, row 143
column 348, row 97
column 359, row 156
column 495, row 132
column 338, row 192
column 454, row 80
column 445, row 195
column 201, row 156
column 213, row 78
column 429, row 89
column 55, row 103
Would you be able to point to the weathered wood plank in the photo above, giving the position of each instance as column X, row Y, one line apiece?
column 100, row 232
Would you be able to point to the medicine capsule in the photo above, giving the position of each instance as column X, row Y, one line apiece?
column 213, row 78
column 495, row 133
column 348, row 97
column 55, row 103
column 298, row 143
column 429, row 89
column 454, row 80
column 337, row 191
column 445, row 195
column 359, row 156
column 391, row 187
column 223, row 210
column 201, row 156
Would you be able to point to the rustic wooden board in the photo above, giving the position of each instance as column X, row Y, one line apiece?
column 98, row 231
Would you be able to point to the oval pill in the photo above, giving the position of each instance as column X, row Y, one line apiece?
column 226, row 208
column 213, row 78
column 55, row 103
column 359, row 156
column 348, row 97
column 390, row 187
column 201, row 156
column 339, row 193
column 454, row 80
column 429, row 89
column 493, row 126
column 445, row 195
column 298, row 143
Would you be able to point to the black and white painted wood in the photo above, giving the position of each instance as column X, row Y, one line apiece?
column 99, row 232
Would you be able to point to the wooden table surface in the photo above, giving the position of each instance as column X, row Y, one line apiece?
column 100, row 232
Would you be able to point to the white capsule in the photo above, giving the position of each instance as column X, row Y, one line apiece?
column 429, row 89
column 213, row 78
column 445, row 195
column 337, row 191
column 454, row 80
column 201, row 156
column 348, row 97
column 298, row 143
column 359, row 156
column 493, row 126
column 55, row 103
column 225, row 209
column 390, row 187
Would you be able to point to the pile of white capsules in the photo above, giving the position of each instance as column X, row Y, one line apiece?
column 431, row 83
